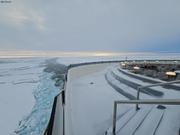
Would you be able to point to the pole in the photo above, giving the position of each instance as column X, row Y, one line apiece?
column 138, row 94
column 114, row 118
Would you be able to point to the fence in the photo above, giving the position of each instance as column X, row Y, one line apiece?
column 150, row 101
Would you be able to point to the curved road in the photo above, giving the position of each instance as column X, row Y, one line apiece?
column 149, row 80
column 134, row 85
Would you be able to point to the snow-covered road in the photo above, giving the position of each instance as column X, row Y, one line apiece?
column 89, row 101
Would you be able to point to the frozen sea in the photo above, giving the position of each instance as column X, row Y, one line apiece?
column 26, row 98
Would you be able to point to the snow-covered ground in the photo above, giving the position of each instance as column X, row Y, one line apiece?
column 89, row 105
column 167, row 93
column 26, row 96
column 90, row 100
column 18, row 79
column 120, row 56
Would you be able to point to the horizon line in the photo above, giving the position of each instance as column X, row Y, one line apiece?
column 40, row 53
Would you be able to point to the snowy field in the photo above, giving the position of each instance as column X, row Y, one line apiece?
column 18, row 79
column 27, row 93
column 26, row 96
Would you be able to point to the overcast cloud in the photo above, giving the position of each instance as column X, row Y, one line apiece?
column 90, row 25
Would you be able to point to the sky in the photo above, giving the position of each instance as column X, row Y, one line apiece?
column 90, row 25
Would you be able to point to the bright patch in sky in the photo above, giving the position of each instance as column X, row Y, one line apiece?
column 25, row 54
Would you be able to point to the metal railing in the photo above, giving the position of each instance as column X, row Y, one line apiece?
column 152, row 85
column 150, row 101
column 49, row 128
column 58, row 100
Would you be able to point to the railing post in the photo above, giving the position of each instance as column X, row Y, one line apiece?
column 138, row 94
column 63, row 96
column 114, row 118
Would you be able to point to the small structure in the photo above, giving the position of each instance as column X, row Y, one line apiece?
column 171, row 75
column 123, row 65
column 136, row 68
